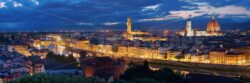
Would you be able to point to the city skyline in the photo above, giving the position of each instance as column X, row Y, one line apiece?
column 124, row 41
column 54, row 15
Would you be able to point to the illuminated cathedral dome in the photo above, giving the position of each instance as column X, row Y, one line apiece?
column 213, row 26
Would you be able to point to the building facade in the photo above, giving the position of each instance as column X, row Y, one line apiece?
column 229, row 58
column 20, row 48
column 213, row 29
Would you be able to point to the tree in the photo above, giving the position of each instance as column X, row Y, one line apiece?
column 62, row 59
column 145, row 80
column 83, row 54
column 145, row 64
column 138, row 71
column 143, row 74
column 166, row 75
column 47, row 78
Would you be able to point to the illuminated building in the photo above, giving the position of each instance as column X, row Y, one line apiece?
column 150, row 38
column 39, row 68
column 235, row 59
column 57, row 44
column 230, row 58
column 217, row 56
column 129, row 29
column 139, row 52
column 57, row 37
column 143, row 50
column 172, row 54
column 213, row 29
column 41, row 53
column 139, row 35
column 126, row 51
column 187, row 31
column 129, row 25
column 55, row 40
column 44, row 44
column 201, row 58
column 20, row 48
column 246, row 51
column 80, row 43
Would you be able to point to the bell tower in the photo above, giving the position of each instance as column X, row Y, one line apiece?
column 129, row 24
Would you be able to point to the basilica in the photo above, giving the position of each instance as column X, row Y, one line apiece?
column 213, row 29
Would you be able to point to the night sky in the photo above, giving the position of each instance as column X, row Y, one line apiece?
column 55, row 15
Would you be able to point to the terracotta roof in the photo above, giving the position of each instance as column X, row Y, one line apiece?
column 213, row 26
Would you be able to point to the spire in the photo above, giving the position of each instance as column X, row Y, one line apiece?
column 129, row 23
column 128, row 18
column 213, row 17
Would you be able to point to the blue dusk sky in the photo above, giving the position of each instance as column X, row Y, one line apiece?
column 55, row 15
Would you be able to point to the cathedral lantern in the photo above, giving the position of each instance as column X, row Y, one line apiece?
column 213, row 26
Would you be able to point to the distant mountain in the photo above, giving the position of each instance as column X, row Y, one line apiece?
column 240, row 26
column 201, row 24
column 198, row 23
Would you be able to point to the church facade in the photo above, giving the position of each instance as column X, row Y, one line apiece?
column 213, row 29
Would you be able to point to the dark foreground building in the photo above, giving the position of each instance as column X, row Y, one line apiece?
column 103, row 67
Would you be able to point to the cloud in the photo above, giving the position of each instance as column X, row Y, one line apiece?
column 110, row 23
column 187, row 7
column 197, row 9
column 200, row 3
column 87, row 24
column 203, row 8
column 151, row 7
column 195, row 2
column 185, row 14
column 168, row 17
column 16, row 4
column 36, row 2
column 2, row 5
column 230, row 10
column 222, row 12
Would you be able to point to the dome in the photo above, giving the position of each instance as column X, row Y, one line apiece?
column 213, row 26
